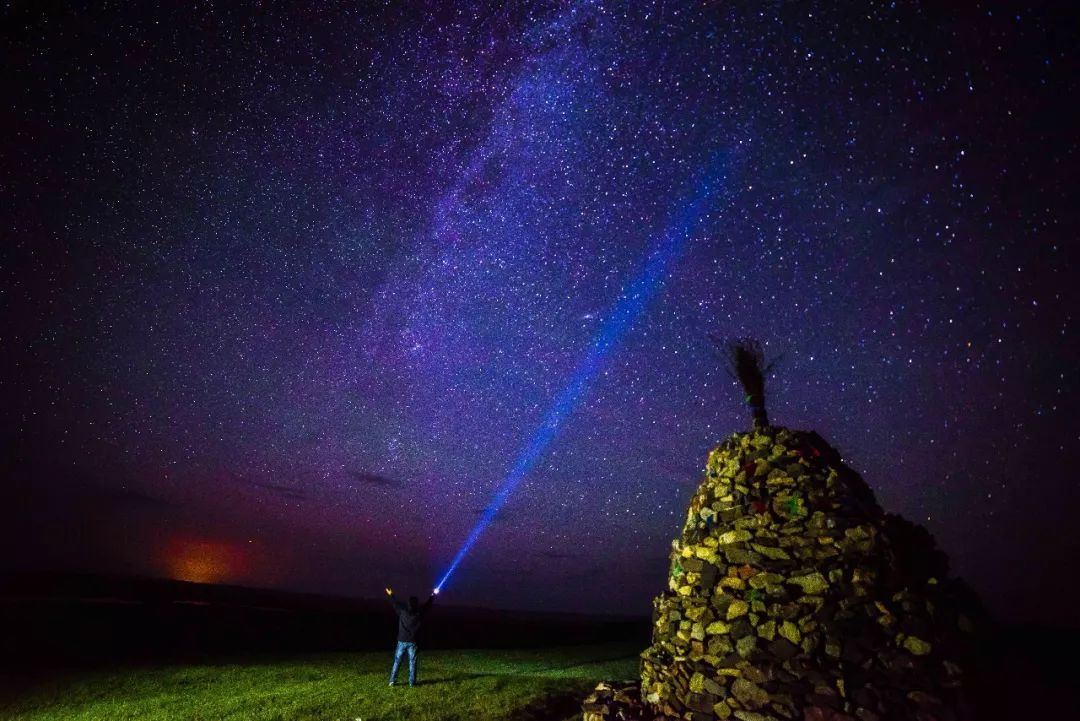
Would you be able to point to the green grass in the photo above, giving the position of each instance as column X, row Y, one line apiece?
column 465, row 685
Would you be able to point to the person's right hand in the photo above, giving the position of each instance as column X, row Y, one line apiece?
column 389, row 592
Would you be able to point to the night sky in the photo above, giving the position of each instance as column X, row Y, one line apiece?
column 286, row 293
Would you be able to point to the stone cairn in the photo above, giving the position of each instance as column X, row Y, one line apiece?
column 791, row 595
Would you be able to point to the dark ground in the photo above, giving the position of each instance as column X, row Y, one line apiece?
column 51, row 622
column 65, row 620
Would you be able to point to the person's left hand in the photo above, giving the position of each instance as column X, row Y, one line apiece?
column 389, row 592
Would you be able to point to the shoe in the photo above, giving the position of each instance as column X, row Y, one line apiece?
column 391, row 683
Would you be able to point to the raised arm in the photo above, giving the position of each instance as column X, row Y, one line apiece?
column 398, row 605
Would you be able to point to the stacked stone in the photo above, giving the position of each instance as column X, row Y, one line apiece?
column 619, row 701
column 786, row 599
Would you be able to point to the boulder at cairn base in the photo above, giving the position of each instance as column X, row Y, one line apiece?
column 791, row 595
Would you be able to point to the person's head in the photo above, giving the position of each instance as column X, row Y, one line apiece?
column 414, row 603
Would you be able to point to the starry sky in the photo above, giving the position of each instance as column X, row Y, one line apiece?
column 287, row 289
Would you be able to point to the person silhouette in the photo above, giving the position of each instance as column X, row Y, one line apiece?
column 410, row 616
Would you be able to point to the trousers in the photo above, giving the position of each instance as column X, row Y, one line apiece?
column 404, row 647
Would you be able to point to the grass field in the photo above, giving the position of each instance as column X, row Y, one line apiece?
column 466, row 685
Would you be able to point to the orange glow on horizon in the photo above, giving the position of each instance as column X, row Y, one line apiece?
column 201, row 561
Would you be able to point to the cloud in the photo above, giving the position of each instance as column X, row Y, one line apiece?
column 291, row 492
column 374, row 479
column 286, row 491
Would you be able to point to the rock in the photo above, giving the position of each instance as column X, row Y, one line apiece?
column 720, row 646
column 783, row 649
column 921, row 698
column 713, row 687
column 753, row 673
column 730, row 537
column 746, row 645
column 776, row 554
column 763, row 580
column 752, row 716
column 749, row 694
column 741, row 629
column 917, row 646
column 733, row 582
column 736, row 555
column 813, row 583
column 736, row 609
column 616, row 701
column 706, row 554
column 790, row 631
column 746, row 572
column 700, row 702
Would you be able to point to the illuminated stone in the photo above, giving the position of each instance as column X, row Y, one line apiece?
column 813, row 583
column 734, row 537
column 737, row 608
column 917, row 646
column 790, row 631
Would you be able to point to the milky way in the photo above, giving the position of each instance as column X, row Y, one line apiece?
column 301, row 285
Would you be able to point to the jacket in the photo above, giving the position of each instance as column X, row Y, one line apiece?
column 409, row 621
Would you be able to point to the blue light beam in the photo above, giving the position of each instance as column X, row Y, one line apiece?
column 628, row 306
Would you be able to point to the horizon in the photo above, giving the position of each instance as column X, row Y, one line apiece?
column 379, row 600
